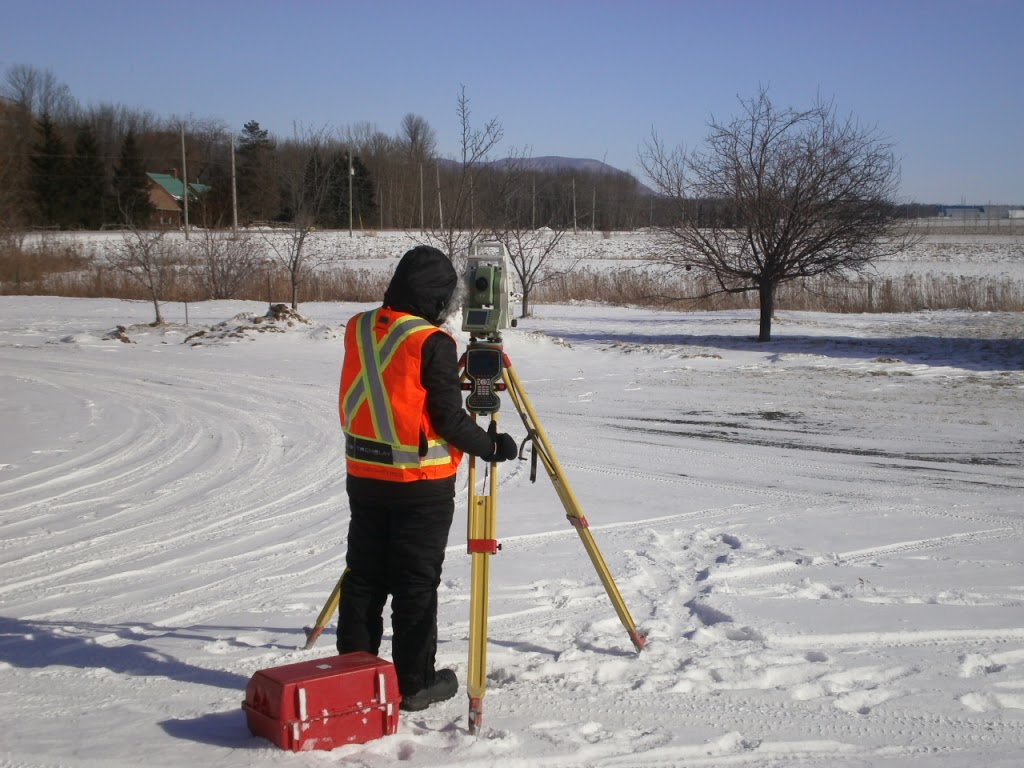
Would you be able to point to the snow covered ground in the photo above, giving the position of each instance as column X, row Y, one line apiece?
column 823, row 537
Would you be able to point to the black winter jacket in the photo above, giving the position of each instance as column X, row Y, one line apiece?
column 423, row 285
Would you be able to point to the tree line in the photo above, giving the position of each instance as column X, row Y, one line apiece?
column 68, row 166
column 773, row 195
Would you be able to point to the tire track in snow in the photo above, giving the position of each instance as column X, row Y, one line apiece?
column 648, row 476
column 901, row 638
column 790, row 460
column 855, row 556
column 733, row 729
column 162, row 500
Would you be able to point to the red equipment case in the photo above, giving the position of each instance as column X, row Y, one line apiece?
column 324, row 703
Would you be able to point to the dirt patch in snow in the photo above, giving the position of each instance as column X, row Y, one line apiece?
column 279, row 318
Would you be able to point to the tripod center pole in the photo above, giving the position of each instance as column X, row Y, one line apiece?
column 482, row 370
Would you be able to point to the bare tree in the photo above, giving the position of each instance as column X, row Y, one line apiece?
column 418, row 138
column 417, row 144
column 307, row 169
column 531, row 242
column 39, row 91
column 149, row 260
column 459, row 222
column 530, row 251
column 378, row 149
column 778, row 195
column 223, row 262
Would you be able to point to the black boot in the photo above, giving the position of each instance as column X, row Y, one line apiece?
column 445, row 686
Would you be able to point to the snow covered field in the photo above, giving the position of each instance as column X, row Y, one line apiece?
column 997, row 254
column 823, row 536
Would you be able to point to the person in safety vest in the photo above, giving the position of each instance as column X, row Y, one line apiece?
column 405, row 433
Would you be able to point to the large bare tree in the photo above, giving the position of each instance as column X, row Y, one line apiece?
column 417, row 142
column 776, row 195
column 418, row 138
column 38, row 91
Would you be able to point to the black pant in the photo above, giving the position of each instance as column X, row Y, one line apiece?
column 395, row 548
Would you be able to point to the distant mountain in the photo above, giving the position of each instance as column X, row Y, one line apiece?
column 556, row 163
column 582, row 164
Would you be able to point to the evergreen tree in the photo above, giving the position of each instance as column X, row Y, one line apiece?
column 364, row 195
column 50, row 175
column 364, row 204
column 88, row 185
column 131, row 185
column 212, row 208
column 259, row 194
column 17, row 203
column 315, row 194
column 335, row 207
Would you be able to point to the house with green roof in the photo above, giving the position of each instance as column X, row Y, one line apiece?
column 166, row 193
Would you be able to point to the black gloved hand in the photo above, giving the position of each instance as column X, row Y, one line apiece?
column 505, row 447
column 504, row 444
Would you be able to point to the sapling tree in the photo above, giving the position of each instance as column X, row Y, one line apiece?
column 147, row 258
column 531, row 242
column 223, row 262
column 463, row 184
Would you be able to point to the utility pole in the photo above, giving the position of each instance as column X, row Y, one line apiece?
column 440, row 211
column 350, row 205
column 234, row 189
column 574, row 206
column 184, row 180
column 533, row 205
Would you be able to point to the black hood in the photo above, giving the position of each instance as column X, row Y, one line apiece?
column 423, row 284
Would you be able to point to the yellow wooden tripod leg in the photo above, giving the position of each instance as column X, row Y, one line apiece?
column 313, row 633
column 572, row 506
column 482, row 543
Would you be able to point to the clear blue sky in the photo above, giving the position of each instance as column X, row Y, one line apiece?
column 943, row 79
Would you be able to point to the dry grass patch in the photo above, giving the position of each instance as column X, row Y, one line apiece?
column 910, row 293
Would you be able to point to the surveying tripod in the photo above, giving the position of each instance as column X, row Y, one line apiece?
column 487, row 370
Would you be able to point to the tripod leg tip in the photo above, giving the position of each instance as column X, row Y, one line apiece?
column 312, row 635
column 476, row 714
column 639, row 639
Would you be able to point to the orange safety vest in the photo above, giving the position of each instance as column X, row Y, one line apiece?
column 383, row 404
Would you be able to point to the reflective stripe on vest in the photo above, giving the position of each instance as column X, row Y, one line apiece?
column 368, row 389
